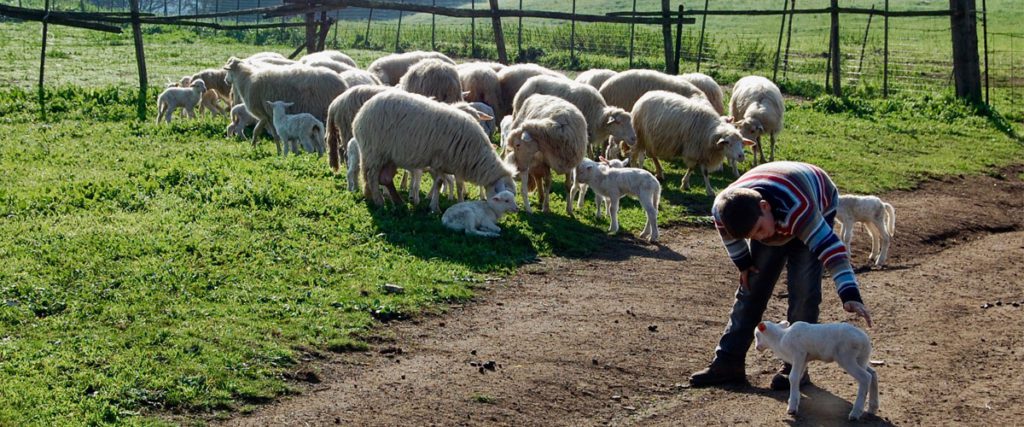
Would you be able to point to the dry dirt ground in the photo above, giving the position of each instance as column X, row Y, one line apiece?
column 612, row 339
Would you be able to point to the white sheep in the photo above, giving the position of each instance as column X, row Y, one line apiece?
column 297, row 129
column 480, row 218
column 353, row 164
column 329, row 55
column 512, row 78
column 579, row 191
column 843, row 343
column 612, row 184
column 484, row 115
column 709, row 87
column 433, row 78
column 670, row 126
column 240, row 119
column 595, row 77
column 480, row 82
column 310, row 89
column 340, row 115
column 337, row 67
column 355, row 77
column 397, row 129
column 390, row 68
column 625, row 88
column 757, row 108
column 602, row 119
column 878, row 217
column 185, row 97
column 216, row 82
column 552, row 130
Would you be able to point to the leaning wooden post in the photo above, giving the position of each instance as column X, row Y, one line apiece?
column 966, row 67
column 679, row 39
column 864, row 43
column 572, row 37
column 42, row 63
column 398, row 32
column 700, row 44
column 433, row 27
column 499, row 34
column 632, row 28
column 778, row 47
column 311, row 32
column 366, row 38
column 885, row 60
column 789, row 38
column 837, row 88
column 984, row 30
column 472, row 30
column 140, row 58
column 666, row 34
column 519, row 36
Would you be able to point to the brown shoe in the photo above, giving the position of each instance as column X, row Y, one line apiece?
column 719, row 373
column 781, row 379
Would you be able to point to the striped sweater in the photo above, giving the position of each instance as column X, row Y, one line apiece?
column 803, row 200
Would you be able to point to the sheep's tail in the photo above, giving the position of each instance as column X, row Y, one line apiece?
column 657, row 196
column 890, row 218
column 333, row 151
column 161, row 109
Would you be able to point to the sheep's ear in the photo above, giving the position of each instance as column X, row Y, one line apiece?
column 527, row 137
column 483, row 117
column 722, row 142
column 611, row 119
column 269, row 104
column 749, row 142
column 288, row 104
column 729, row 119
column 602, row 159
column 784, row 323
column 465, row 94
column 758, row 128
column 761, row 326
column 625, row 163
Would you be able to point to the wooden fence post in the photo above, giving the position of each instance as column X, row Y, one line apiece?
column 700, row 44
column 499, row 34
column 519, row 36
column 632, row 28
column 837, row 89
column 42, row 64
column 572, row 37
column 679, row 39
column 433, row 27
column 140, row 58
column 966, row 70
column 366, row 38
column 311, row 33
column 472, row 30
column 789, row 38
column 864, row 44
column 666, row 34
column 398, row 32
column 984, row 30
column 778, row 47
column 885, row 59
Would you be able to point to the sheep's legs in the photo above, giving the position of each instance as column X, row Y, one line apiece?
column 873, row 392
column 387, row 179
column 686, row 179
column 651, row 228
column 613, row 213
column 415, row 178
column 881, row 239
column 864, row 379
column 771, row 156
column 570, row 182
column 658, row 171
column 795, row 375
column 707, row 181
column 525, row 190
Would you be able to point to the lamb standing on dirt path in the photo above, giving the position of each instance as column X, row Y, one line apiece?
column 478, row 217
column 185, row 97
column 297, row 129
column 878, row 217
column 843, row 343
column 612, row 184
column 579, row 191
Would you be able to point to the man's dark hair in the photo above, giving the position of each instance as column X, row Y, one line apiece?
column 738, row 209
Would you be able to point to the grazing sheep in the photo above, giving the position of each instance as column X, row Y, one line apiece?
column 494, row 66
column 397, row 129
column 340, row 116
column 670, row 126
column 449, row 182
column 240, row 119
column 390, row 69
column 435, row 79
column 486, row 109
column 878, row 217
column 337, row 67
column 624, row 89
column 480, row 218
column 216, row 82
column 355, row 77
column 595, row 77
column 297, row 129
column 513, row 77
column 480, row 83
column 310, row 89
column 602, row 120
column 612, row 184
column 269, row 61
column 709, row 87
column 843, row 343
column 551, row 130
column 329, row 55
column 185, row 97
column 757, row 108
column 579, row 191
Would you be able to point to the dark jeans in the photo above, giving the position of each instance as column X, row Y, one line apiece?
column 803, row 282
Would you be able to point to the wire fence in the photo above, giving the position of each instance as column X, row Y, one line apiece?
column 792, row 49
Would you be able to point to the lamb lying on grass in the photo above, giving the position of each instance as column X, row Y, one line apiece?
column 612, row 184
column 297, row 129
column 842, row 343
column 878, row 217
column 480, row 218
column 185, row 97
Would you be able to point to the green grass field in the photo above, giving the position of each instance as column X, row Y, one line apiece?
column 150, row 268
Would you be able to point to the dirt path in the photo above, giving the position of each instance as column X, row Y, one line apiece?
column 610, row 339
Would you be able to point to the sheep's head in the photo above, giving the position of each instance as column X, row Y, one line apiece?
column 767, row 334
column 185, row 81
column 232, row 66
column 523, row 145
column 504, row 201
column 731, row 142
column 199, row 85
column 619, row 125
column 505, row 183
column 751, row 128
column 586, row 170
column 279, row 105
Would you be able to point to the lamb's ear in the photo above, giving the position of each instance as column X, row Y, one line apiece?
column 729, row 119
column 465, row 94
column 611, row 119
column 722, row 142
column 288, row 104
column 784, row 323
column 625, row 163
column 602, row 159
column 761, row 326
column 749, row 142
column 527, row 137
column 483, row 117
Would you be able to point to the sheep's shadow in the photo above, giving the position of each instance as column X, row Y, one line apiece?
column 817, row 407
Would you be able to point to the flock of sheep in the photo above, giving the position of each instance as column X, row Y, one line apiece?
column 420, row 111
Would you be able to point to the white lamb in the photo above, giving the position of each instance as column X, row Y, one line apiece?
column 757, row 108
column 579, row 191
column 480, row 218
column 185, row 97
column 670, row 126
column 842, row 343
column 612, row 184
column 240, row 119
column 878, row 217
column 297, row 129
